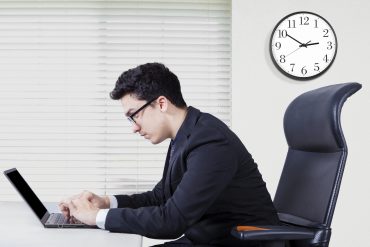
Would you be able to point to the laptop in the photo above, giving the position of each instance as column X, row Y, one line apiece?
column 49, row 220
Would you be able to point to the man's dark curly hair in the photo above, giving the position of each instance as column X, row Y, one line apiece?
column 148, row 81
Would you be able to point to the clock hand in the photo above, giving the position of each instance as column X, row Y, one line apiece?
column 294, row 51
column 305, row 45
column 294, row 39
column 312, row 44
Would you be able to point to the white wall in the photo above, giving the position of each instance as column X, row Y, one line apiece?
column 261, row 94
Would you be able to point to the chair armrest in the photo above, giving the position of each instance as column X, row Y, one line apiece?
column 271, row 233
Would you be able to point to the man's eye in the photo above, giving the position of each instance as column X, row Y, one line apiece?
column 135, row 116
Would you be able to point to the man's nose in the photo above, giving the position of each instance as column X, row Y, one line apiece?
column 135, row 128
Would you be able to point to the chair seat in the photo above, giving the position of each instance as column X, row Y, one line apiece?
column 271, row 232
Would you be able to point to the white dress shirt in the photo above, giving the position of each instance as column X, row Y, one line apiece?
column 102, row 213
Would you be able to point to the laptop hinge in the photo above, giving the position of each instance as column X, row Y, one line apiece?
column 45, row 218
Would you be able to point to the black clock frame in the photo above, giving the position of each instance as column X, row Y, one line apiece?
column 297, row 77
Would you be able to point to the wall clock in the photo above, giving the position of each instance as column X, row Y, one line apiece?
column 303, row 45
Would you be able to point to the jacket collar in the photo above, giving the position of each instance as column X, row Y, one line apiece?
column 187, row 126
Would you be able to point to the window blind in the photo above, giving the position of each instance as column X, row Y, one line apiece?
column 60, row 59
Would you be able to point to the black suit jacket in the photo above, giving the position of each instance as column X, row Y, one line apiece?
column 211, row 185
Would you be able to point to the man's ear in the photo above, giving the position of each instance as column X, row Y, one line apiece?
column 163, row 103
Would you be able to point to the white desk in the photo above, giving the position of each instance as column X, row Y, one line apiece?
column 20, row 227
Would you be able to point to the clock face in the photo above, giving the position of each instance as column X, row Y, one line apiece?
column 303, row 45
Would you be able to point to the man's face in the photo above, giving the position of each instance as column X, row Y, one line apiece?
column 149, row 122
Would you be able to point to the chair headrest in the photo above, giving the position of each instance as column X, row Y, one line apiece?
column 312, row 120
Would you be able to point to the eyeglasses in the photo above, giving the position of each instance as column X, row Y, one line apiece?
column 131, row 117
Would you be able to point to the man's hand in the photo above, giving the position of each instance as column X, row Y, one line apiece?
column 96, row 201
column 83, row 210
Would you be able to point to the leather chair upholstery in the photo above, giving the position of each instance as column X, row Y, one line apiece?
column 309, row 184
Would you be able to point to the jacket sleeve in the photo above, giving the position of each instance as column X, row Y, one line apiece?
column 150, row 198
column 211, row 166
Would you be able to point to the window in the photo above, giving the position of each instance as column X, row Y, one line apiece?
column 60, row 59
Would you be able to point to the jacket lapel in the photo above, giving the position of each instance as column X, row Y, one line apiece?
column 165, row 178
column 179, row 145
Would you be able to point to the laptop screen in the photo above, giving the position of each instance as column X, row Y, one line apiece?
column 26, row 192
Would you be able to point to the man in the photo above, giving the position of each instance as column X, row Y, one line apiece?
column 210, row 182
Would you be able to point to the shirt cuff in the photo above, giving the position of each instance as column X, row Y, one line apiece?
column 113, row 202
column 101, row 217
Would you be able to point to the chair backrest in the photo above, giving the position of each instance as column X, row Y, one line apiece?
column 311, row 177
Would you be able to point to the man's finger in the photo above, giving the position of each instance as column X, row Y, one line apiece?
column 72, row 207
column 86, row 195
column 65, row 210
column 72, row 220
column 63, row 207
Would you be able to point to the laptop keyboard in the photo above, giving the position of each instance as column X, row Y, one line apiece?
column 59, row 219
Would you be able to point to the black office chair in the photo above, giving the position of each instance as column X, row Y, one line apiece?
column 309, row 184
